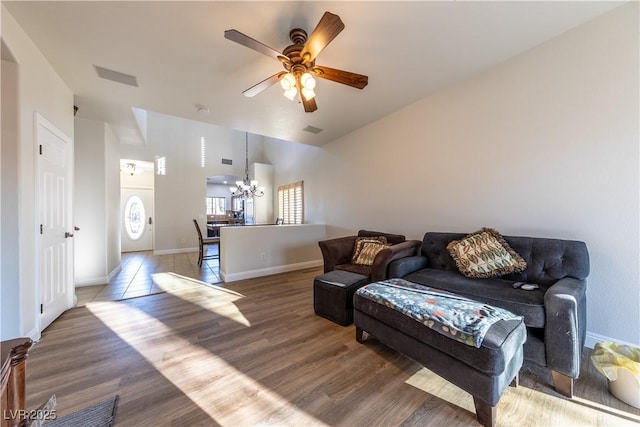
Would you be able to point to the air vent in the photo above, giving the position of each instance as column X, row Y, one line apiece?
column 116, row 76
column 312, row 129
column 227, row 161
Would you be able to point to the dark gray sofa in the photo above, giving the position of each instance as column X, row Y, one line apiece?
column 554, row 314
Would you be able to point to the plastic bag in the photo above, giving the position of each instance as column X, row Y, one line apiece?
column 609, row 357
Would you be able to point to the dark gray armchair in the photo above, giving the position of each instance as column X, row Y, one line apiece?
column 336, row 254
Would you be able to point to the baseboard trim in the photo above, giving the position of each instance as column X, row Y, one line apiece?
column 115, row 271
column 268, row 271
column 592, row 339
column 34, row 334
column 99, row 280
column 175, row 251
column 92, row 281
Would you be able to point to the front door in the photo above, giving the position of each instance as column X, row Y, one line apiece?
column 55, row 228
column 137, row 219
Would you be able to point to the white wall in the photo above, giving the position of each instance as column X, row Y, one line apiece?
column 296, row 162
column 90, row 203
column 40, row 90
column 143, row 177
column 112, row 196
column 546, row 144
column 10, row 274
column 97, row 202
column 180, row 194
column 263, row 206
column 220, row 190
column 261, row 250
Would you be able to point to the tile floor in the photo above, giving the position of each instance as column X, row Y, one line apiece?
column 135, row 277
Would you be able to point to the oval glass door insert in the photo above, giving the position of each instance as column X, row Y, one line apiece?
column 134, row 217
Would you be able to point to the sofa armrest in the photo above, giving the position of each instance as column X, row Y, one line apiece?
column 394, row 252
column 403, row 266
column 336, row 251
column 565, row 304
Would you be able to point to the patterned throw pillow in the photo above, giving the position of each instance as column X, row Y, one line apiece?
column 360, row 241
column 485, row 253
column 369, row 252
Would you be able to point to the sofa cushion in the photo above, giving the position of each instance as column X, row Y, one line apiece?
column 485, row 253
column 368, row 252
column 360, row 242
column 492, row 291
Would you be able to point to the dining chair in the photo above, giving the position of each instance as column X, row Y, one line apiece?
column 202, row 242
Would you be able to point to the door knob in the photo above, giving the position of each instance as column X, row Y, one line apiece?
column 150, row 222
column 67, row 234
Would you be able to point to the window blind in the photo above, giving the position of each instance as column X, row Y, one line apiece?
column 291, row 203
column 216, row 205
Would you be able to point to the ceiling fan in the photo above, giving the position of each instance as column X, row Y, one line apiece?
column 299, row 59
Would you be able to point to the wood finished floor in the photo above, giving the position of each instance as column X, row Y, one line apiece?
column 253, row 353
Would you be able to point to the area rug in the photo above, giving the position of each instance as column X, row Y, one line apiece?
column 102, row 414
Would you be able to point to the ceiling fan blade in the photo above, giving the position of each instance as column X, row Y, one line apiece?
column 309, row 106
column 243, row 39
column 345, row 77
column 327, row 29
column 256, row 89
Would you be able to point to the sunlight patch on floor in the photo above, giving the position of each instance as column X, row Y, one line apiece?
column 199, row 374
column 608, row 409
column 219, row 301
column 558, row 410
column 173, row 282
column 435, row 385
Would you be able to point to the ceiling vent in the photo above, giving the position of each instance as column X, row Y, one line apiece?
column 116, row 76
column 312, row 129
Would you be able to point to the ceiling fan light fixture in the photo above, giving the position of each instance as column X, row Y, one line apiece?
column 307, row 81
column 308, row 94
column 299, row 61
column 291, row 93
column 288, row 81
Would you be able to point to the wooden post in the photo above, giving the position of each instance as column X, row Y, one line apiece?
column 14, row 355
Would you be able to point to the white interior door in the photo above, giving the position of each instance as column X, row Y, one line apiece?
column 137, row 219
column 55, row 176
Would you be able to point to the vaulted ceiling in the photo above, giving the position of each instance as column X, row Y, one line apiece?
column 182, row 62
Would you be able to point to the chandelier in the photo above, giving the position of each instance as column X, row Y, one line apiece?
column 247, row 188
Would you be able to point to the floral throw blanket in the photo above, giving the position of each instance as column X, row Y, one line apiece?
column 456, row 317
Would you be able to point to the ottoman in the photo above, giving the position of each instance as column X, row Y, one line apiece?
column 333, row 295
column 484, row 371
